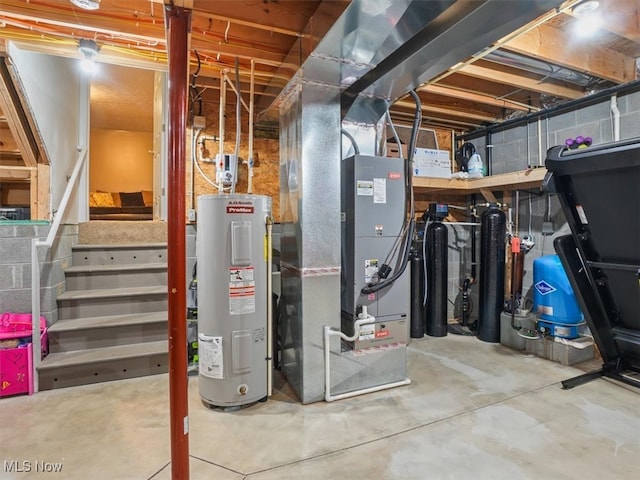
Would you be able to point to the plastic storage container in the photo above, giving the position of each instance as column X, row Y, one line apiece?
column 475, row 166
column 553, row 299
column 16, row 363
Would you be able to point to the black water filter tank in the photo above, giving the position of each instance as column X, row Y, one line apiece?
column 436, row 278
column 493, row 225
column 417, row 292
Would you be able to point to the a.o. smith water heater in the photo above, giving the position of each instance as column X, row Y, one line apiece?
column 232, row 298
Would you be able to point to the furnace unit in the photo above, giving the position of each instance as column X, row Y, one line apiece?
column 373, row 211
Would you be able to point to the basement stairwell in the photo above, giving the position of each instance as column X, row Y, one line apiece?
column 112, row 318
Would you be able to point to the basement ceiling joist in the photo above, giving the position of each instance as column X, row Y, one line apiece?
column 551, row 45
column 278, row 36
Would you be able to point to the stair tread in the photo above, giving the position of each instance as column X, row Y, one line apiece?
column 116, row 246
column 73, row 324
column 97, row 355
column 116, row 267
column 111, row 292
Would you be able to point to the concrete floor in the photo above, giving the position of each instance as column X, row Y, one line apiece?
column 473, row 411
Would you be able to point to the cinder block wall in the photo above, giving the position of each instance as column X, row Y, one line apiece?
column 510, row 154
column 15, row 266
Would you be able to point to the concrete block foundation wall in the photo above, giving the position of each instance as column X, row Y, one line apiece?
column 510, row 153
column 15, row 266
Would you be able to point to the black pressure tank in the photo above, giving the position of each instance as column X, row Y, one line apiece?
column 417, row 292
column 436, row 279
column 493, row 225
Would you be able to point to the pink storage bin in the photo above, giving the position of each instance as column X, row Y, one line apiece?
column 16, row 364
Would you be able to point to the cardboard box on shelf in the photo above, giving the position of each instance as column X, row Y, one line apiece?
column 394, row 152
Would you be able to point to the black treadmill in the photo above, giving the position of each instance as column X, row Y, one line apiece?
column 599, row 190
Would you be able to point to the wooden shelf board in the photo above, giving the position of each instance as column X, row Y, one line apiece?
column 506, row 181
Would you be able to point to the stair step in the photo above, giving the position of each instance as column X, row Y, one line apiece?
column 97, row 332
column 109, row 321
column 111, row 301
column 115, row 275
column 82, row 367
column 107, row 254
column 112, row 293
column 116, row 268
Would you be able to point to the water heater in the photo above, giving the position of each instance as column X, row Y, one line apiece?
column 232, row 252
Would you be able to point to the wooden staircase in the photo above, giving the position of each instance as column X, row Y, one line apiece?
column 112, row 320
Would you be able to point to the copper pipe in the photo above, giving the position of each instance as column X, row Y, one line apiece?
column 178, row 25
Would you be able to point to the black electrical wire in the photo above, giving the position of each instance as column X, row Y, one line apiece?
column 409, row 220
column 356, row 150
column 195, row 94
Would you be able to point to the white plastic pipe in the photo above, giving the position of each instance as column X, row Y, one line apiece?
column 540, row 159
column 251, row 92
column 269, row 222
column 223, row 106
column 236, row 90
column 364, row 319
column 616, row 117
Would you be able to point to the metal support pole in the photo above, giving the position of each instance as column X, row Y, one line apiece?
column 178, row 22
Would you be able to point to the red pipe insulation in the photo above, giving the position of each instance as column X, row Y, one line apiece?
column 177, row 21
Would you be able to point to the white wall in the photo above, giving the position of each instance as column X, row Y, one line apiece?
column 52, row 86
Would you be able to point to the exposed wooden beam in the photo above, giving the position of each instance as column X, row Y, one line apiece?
column 556, row 47
column 441, row 121
column 16, row 118
column 8, row 145
column 426, row 108
column 15, row 173
column 245, row 23
column 188, row 4
column 476, row 97
column 520, row 81
column 148, row 31
column 213, row 47
column 42, row 208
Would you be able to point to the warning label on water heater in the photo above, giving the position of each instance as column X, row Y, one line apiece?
column 210, row 356
column 242, row 291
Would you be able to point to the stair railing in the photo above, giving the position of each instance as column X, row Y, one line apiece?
column 35, row 264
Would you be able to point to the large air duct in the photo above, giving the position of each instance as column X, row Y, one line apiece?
column 375, row 53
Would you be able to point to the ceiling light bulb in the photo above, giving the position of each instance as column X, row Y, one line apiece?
column 88, row 48
column 588, row 25
column 586, row 7
column 88, row 66
column 86, row 4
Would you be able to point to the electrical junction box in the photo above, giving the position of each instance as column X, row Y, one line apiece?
column 199, row 122
column 226, row 168
column 373, row 203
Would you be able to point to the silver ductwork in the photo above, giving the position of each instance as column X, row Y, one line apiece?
column 375, row 53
